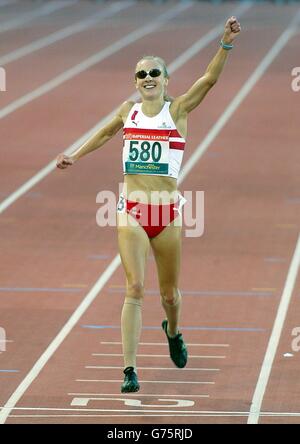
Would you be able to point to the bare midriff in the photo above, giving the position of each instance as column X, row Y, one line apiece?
column 154, row 189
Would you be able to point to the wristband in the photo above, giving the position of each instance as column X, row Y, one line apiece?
column 225, row 46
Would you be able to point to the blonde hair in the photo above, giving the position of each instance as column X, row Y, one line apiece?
column 163, row 64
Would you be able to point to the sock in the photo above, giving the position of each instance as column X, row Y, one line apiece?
column 131, row 325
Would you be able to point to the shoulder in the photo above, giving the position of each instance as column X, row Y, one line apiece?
column 125, row 109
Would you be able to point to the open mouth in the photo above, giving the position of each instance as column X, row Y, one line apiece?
column 149, row 86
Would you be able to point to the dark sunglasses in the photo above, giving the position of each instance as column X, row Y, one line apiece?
column 155, row 72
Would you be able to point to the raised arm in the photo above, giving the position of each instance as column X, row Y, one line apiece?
column 98, row 139
column 194, row 96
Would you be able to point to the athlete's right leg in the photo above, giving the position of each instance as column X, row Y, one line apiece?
column 134, row 249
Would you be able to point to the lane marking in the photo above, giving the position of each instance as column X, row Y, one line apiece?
column 42, row 361
column 125, row 411
column 99, row 256
column 75, row 285
column 109, row 416
column 275, row 337
column 176, row 64
column 264, row 289
column 144, row 381
column 156, row 328
column 165, row 344
column 140, row 395
column 38, row 290
column 81, row 309
column 157, row 368
column 141, row 412
column 96, row 58
column 42, row 11
column 274, row 259
column 147, row 412
column 64, row 33
column 143, row 415
column 157, row 356
column 130, row 402
column 201, row 292
column 293, row 200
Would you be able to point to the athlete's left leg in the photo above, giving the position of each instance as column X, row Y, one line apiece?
column 167, row 252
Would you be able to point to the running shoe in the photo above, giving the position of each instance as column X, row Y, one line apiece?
column 130, row 383
column 177, row 347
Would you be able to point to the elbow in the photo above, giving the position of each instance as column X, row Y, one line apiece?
column 211, row 81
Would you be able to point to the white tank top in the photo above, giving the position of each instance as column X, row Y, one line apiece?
column 152, row 145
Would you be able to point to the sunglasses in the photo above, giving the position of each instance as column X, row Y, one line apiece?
column 155, row 72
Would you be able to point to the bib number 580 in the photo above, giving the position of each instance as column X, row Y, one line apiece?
column 145, row 151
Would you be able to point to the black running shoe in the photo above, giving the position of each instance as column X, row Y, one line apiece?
column 130, row 383
column 177, row 347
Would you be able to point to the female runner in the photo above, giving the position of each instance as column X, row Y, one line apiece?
column 154, row 139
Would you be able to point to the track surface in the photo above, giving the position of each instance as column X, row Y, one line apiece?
column 233, row 277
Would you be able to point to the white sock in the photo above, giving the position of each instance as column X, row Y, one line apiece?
column 131, row 325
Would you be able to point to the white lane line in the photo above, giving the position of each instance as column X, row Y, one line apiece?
column 187, row 412
column 94, row 59
column 34, row 372
column 176, row 64
column 42, row 361
column 165, row 344
column 103, row 367
column 275, row 337
column 144, row 381
column 118, row 416
column 53, row 409
column 64, row 33
column 140, row 395
column 158, row 356
column 43, row 10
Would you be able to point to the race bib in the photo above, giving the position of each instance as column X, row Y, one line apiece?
column 147, row 156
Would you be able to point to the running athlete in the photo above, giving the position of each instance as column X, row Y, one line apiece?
column 154, row 133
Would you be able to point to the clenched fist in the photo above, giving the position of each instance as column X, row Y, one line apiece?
column 63, row 161
column 232, row 29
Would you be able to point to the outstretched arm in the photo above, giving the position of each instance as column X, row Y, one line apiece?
column 97, row 140
column 194, row 96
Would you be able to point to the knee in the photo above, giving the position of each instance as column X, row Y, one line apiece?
column 170, row 294
column 135, row 290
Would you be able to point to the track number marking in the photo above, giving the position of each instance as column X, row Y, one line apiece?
column 177, row 403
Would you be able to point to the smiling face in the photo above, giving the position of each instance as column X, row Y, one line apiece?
column 151, row 88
